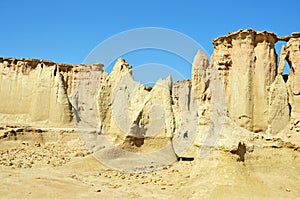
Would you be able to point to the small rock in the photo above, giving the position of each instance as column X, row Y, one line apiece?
column 25, row 143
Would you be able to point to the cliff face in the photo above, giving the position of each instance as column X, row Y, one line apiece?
column 41, row 92
column 200, row 86
column 82, row 83
column 142, row 119
column 133, row 116
column 247, row 62
column 242, row 83
column 185, row 110
column 291, row 53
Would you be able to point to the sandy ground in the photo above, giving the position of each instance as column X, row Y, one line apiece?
column 36, row 168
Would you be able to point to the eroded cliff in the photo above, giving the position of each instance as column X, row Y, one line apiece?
column 247, row 62
column 258, row 99
column 43, row 93
column 132, row 116
column 291, row 53
column 239, row 92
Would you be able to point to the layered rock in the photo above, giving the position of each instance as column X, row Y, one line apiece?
column 291, row 53
column 125, row 122
column 247, row 62
column 136, row 122
column 185, row 110
column 201, row 73
column 82, row 86
column 279, row 110
column 44, row 93
column 132, row 116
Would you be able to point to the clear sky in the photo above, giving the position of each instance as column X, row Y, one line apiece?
column 67, row 31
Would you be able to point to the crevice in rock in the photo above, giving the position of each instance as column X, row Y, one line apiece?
column 185, row 159
column 148, row 88
column 240, row 151
column 285, row 77
column 135, row 141
column 189, row 96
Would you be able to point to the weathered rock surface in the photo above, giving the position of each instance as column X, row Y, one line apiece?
column 142, row 128
column 135, row 118
column 279, row 111
column 247, row 62
column 127, row 110
column 291, row 53
column 81, row 89
column 185, row 110
column 239, row 92
column 200, row 86
column 44, row 93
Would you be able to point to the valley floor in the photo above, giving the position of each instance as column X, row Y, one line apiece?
column 64, row 169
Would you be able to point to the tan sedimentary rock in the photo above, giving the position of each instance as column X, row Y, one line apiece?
column 287, row 38
column 43, row 93
column 165, row 119
column 291, row 53
column 181, row 94
column 136, row 121
column 133, row 117
column 33, row 92
column 246, row 60
column 279, row 111
column 200, row 86
column 83, row 82
column 185, row 110
column 201, row 105
column 199, row 70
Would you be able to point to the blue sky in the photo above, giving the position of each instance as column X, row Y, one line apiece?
column 67, row 31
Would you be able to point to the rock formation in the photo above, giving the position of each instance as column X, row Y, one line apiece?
column 258, row 98
column 279, row 110
column 239, row 92
column 44, row 93
column 291, row 53
column 185, row 110
column 247, row 62
column 132, row 116
column 200, row 84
